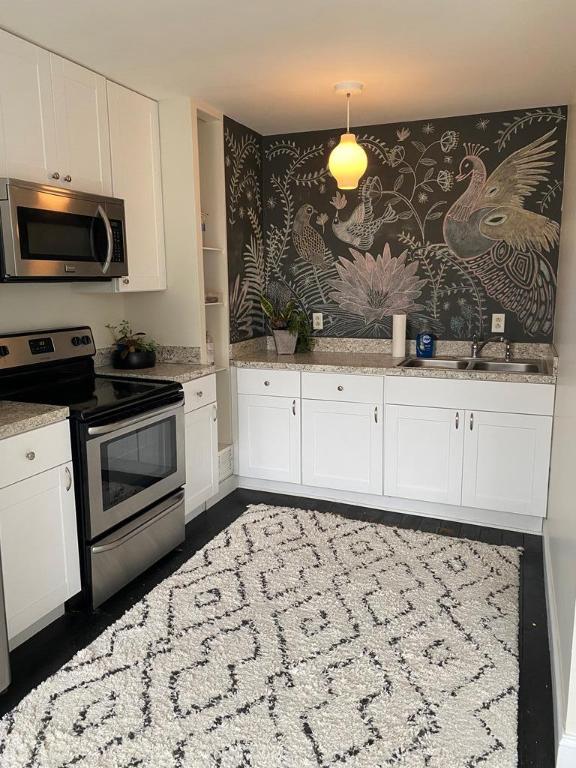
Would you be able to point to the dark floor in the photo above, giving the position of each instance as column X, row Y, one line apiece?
column 47, row 651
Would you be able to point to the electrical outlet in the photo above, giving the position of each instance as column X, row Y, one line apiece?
column 498, row 323
column 317, row 321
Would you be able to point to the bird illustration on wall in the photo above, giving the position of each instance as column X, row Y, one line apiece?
column 360, row 229
column 308, row 242
column 501, row 243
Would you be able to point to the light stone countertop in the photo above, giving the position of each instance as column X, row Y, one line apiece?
column 16, row 418
column 180, row 372
column 371, row 364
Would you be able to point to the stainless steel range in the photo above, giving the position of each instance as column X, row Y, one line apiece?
column 128, row 452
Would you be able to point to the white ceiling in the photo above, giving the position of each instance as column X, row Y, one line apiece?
column 272, row 65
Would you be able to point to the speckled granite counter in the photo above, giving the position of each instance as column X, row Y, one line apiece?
column 16, row 418
column 371, row 364
column 180, row 372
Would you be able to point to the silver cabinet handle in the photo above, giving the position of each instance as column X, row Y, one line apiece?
column 126, row 281
column 294, row 407
column 68, row 178
column 68, row 478
column 471, row 421
column 199, row 393
column 340, row 388
column 56, row 175
column 376, row 414
column 266, row 383
column 215, row 413
column 30, row 455
column 457, row 419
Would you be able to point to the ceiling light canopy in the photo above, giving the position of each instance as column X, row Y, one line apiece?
column 348, row 161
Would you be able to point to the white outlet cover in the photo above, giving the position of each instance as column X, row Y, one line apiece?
column 317, row 321
column 498, row 323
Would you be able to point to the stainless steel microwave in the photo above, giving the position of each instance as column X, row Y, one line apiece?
column 49, row 233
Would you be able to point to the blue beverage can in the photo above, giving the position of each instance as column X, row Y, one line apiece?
column 424, row 345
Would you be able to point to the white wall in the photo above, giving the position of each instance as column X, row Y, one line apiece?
column 560, row 527
column 32, row 306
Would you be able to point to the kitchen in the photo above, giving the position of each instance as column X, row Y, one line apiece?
column 178, row 479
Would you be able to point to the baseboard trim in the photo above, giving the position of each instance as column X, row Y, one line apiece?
column 566, row 757
column 503, row 520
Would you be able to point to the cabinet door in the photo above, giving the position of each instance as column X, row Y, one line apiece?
column 82, row 135
column 135, row 152
column 27, row 131
column 201, row 456
column 39, row 546
column 342, row 445
column 269, row 437
column 423, row 453
column 506, row 462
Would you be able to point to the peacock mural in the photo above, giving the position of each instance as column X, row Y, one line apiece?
column 455, row 218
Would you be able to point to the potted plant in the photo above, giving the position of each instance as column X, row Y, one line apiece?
column 133, row 350
column 290, row 326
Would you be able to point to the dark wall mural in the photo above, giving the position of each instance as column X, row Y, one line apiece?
column 246, row 267
column 455, row 219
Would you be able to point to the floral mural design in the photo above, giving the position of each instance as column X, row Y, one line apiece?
column 455, row 218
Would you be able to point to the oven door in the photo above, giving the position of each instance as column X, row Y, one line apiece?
column 52, row 233
column 132, row 464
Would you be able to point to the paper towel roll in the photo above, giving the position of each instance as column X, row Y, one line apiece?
column 399, row 336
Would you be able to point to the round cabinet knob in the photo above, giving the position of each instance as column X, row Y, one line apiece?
column 340, row 388
column 56, row 175
column 30, row 455
column 126, row 281
column 266, row 383
column 200, row 393
column 68, row 178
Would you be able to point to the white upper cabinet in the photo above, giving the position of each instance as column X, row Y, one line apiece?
column 342, row 445
column 136, row 177
column 27, row 130
column 506, row 462
column 82, row 134
column 423, row 453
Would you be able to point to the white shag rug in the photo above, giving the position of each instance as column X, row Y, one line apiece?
column 295, row 639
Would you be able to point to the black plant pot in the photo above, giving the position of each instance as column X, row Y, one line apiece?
column 133, row 360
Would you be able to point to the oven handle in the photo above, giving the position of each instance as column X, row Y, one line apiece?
column 127, row 536
column 106, row 429
column 104, row 216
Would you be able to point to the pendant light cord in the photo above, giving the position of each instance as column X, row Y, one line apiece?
column 347, row 113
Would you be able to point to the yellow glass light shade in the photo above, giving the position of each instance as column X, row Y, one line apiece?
column 348, row 162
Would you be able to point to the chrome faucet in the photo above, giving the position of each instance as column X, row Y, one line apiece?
column 478, row 346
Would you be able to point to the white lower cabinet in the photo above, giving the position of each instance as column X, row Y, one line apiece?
column 423, row 453
column 269, row 437
column 342, row 445
column 39, row 546
column 506, row 462
column 201, row 456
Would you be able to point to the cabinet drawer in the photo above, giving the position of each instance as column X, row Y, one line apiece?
column 199, row 392
column 262, row 381
column 350, row 388
column 33, row 452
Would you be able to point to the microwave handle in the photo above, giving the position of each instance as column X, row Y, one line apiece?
column 104, row 216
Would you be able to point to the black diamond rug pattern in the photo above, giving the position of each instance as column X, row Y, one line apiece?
column 295, row 639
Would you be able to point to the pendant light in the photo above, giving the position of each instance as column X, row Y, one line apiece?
column 348, row 161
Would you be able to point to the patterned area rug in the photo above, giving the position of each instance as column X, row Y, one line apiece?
column 295, row 639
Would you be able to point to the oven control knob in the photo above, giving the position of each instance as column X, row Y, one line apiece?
column 76, row 341
column 86, row 339
column 4, row 351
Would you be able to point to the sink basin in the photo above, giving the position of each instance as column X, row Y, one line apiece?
column 501, row 366
column 435, row 362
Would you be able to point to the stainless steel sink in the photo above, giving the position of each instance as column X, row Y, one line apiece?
column 476, row 364
column 435, row 362
column 501, row 366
